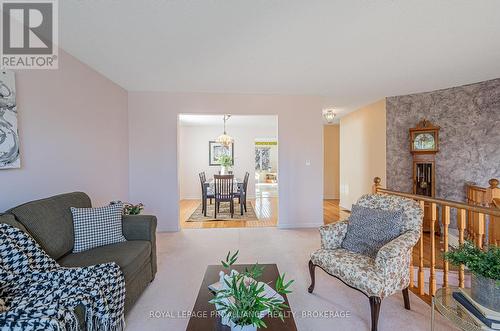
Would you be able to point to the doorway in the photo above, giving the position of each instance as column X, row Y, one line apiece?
column 199, row 155
column 266, row 167
column 331, row 174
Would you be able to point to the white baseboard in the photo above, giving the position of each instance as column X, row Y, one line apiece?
column 300, row 225
column 168, row 229
column 191, row 197
column 198, row 197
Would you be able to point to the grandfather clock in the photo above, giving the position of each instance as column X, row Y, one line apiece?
column 424, row 144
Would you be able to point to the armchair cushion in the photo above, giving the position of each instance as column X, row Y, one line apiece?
column 369, row 229
column 412, row 214
column 356, row 270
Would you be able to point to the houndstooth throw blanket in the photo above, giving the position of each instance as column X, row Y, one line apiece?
column 38, row 294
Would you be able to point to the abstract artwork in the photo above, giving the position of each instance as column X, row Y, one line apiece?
column 262, row 158
column 9, row 137
column 216, row 150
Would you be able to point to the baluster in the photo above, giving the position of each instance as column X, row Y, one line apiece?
column 461, row 217
column 493, row 198
column 421, row 289
column 432, row 278
column 469, row 212
column 495, row 230
column 480, row 230
column 492, row 233
column 470, row 224
column 446, row 223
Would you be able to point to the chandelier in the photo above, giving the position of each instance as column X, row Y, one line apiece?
column 329, row 115
column 225, row 139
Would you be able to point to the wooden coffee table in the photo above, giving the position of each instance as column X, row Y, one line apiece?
column 204, row 317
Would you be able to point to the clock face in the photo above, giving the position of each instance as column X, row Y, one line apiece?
column 424, row 141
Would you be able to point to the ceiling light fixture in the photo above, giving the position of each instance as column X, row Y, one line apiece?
column 329, row 115
column 225, row 139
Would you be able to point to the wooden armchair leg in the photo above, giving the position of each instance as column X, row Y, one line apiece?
column 313, row 278
column 406, row 298
column 375, row 310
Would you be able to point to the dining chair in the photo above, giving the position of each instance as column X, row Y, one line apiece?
column 206, row 193
column 224, row 192
column 242, row 193
column 245, row 190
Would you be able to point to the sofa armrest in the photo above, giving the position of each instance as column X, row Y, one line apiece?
column 333, row 234
column 141, row 227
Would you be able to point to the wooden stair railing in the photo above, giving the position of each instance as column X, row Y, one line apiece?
column 464, row 222
column 485, row 197
column 495, row 222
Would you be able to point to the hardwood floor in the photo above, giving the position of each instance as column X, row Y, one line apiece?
column 332, row 211
column 266, row 210
column 438, row 253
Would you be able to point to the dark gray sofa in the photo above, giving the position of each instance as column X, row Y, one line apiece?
column 49, row 222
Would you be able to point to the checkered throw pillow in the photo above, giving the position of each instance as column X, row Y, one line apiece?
column 96, row 227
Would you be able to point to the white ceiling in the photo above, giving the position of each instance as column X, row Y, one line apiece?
column 247, row 121
column 351, row 51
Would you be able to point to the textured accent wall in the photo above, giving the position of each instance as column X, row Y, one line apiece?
column 469, row 139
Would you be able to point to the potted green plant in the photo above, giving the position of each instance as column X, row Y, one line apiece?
column 243, row 301
column 131, row 209
column 225, row 163
column 485, row 268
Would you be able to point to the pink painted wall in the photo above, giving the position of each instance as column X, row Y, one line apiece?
column 153, row 138
column 74, row 135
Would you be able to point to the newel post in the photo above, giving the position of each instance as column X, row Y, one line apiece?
column 492, row 192
column 376, row 184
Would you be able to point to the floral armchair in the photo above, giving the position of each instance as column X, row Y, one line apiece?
column 376, row 278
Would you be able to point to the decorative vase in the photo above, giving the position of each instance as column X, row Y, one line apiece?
column 486, row 292
column 235, row 327
column 223, row 170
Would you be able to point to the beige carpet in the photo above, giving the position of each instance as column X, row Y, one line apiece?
column 183, row 257
column 223, row 214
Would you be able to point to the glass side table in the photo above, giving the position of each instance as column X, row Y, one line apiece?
column 444, row 303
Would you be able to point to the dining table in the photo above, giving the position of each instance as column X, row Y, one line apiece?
column 209, row 186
